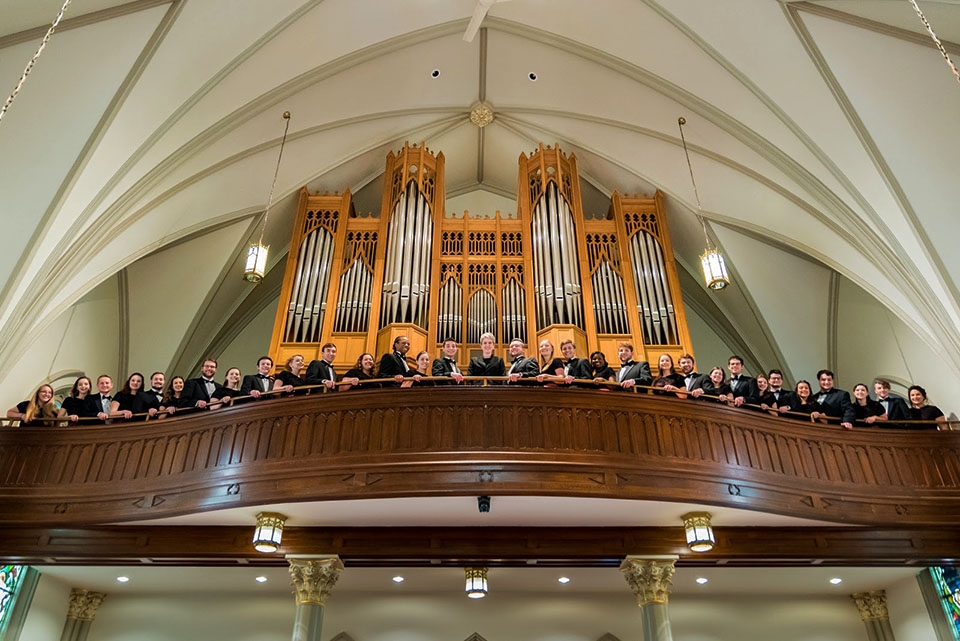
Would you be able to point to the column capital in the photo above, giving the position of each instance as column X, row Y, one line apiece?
column 84, row 604
column 650, row 578
column 872, row 605
column 313, row 577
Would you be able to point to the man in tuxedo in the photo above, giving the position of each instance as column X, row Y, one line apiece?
column 98, row 405
column 574, row 367
column 692, row 381
column 893, row 405
column 394, row 364
column 203, row 391
column 520, row 365
column 446, row 365
column 320, row 371
column 632, row 372
column 256, row 384
column 744, row 387
column 776, row 397
column 834, row 402
column 157, row 380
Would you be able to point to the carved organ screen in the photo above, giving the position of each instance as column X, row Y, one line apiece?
column 548, row 272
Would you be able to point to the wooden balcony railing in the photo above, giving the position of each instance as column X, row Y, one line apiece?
column 472, row 440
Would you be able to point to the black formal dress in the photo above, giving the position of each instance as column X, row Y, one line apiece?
column 925, row 413
column 670, row 379
column 606, row 373
column 835, row 403
column 550, row 369
column 358, row 373
column 289, row 378
column 74, row 406
column 636, row 371
column 195, row 390
column 22, row 408
column 872, row 408
column 711, row 391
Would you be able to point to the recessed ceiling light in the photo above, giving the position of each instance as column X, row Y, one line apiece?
column 564, row 580
column 435, row 73
column 701, row 580
column 836, row 580
column 398, row 579
column 532, row 76
column 122, row 579
column 261, row 579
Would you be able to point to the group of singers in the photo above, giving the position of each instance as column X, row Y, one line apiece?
column 764, row 393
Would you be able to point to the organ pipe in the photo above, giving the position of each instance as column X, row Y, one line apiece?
column 556, row 267
column 406, row 284
column 655, row 304
column 308, row 300
column 353, row 307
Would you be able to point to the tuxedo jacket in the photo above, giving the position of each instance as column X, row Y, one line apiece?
column 696, row 381
column 195, row 390
column 638, row 371
column 443, row 367
column 254, row 382
column 747, row 388
column 526, row 367
column 319, row 371
column 153, row 397
column 392, row 364
column 579, row 368
column 92, row 405
column 897, row 410
column 836, row 403
column 787, row 399
column 480, row 367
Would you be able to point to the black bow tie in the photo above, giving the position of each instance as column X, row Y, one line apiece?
column 627, row 364
column 734, row 378
column 104, row 397
column 263, row 376
column 517, row 358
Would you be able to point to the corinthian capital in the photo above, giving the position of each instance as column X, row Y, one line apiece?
column 872, row 605
column 314, row 577
column 649, row 578
column 84, row 604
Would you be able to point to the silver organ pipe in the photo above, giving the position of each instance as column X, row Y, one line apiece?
column 353, row 307
column 450, row 320
column 308, row 299
column 514, row 316
column 406, row 283
column 556, row 272
column 609, row 300
column 481, row 315
column 655, row 305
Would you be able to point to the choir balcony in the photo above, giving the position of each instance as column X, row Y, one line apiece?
column 471, row 440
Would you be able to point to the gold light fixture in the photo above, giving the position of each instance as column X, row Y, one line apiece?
column 256, row 265
column 476, row 582
column 714, row 267
column 266, row 538
column 699, row 531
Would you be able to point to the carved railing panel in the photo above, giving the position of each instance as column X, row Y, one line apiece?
column 477, row 440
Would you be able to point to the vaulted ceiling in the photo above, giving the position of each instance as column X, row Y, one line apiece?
column 137, row 159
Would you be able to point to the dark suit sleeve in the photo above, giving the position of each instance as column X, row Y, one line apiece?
column 643, row 377
column 847, row 412
column 389, row 367
column 528, row 368
column 146, row 402
column 439, row 368
column 91, row 406
column 190, row 394
column 788, row 399
column 249, row 381
column 750, row 392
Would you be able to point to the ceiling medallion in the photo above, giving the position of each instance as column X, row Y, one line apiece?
column 481, row 115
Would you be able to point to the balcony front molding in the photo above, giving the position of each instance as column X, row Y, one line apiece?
column 457, row 441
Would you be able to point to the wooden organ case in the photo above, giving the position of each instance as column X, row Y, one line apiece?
column 360, row 282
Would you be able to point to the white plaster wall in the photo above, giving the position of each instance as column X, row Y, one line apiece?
column 481, row 201
column 908, row 613
column 500, row 617
column 708, row 348
column 83, row 338
column 48, row 610
column 250, row 344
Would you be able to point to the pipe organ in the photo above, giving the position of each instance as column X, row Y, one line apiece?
column 548, row 272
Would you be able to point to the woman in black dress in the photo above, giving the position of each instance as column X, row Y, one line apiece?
column 920, row 411
column 362, row 371
column 667, row 377
column 40, row 406
column 72, row 406
column 171, row 398
column 551, row 369
column 715, row 388
column 602, row 372
column 423, row 369
column 865, row 408
column 127, row 401
column 291, row 373
column 231, row 380
column 805, row 401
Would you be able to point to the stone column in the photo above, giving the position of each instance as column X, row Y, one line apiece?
column 873, row 613
column 83, row 608
column 650, row 579
column 313, row 577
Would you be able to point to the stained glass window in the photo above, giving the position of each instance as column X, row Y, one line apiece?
column 11, row 576
column 947, row 582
